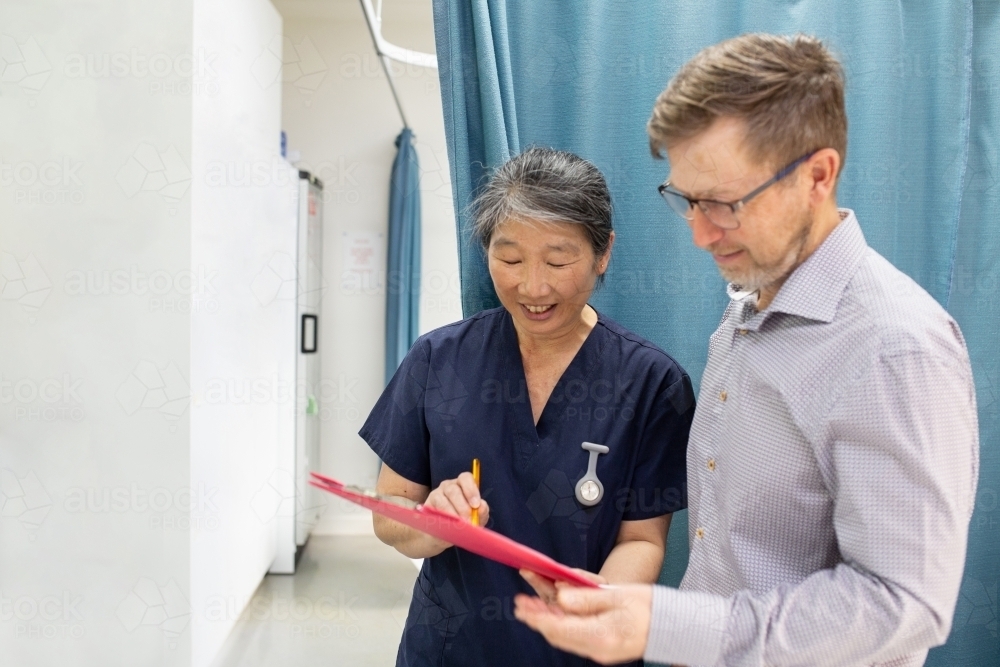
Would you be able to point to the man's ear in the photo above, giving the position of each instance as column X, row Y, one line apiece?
column 822, row 169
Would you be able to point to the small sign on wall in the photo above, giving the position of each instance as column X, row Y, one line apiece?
column 364, row 262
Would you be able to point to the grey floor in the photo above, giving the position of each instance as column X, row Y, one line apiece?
column 345, row 605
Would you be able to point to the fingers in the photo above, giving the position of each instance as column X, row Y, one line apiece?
column 439, row 501
column 596, row 578
column 484, row 513
column 560, row 630
column 537, row 604
column 544, row 587
column 607, row 638
column 458, row 496
column 587, row 601
column 469, row 488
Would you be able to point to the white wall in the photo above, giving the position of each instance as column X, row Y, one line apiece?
column 72, row 214
column 127, row 494
column 243, row 351
column 339, row 113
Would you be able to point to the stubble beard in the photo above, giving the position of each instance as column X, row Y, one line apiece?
column 763, row 275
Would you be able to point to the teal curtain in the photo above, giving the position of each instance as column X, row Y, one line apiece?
column 923, row 99
column 402, row 292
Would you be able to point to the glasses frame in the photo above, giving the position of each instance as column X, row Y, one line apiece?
column 664, row 189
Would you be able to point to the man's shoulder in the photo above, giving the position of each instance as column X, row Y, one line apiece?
column 897, row 313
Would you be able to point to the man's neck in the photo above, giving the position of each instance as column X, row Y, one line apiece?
column 824, row 225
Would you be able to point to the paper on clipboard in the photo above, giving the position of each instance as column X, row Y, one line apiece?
column 454, row 530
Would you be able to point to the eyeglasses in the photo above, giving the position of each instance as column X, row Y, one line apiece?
column 721, row 213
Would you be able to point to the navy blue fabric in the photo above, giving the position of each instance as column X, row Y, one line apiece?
column 402, row 294
column 461, row 394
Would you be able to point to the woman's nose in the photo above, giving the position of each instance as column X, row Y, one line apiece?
column 536, row 281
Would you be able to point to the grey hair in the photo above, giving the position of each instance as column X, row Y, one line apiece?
column 546, row 185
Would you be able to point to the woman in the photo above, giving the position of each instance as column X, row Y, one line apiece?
column 529, row 389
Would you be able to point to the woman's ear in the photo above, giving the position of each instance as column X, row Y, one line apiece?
column 605, row 259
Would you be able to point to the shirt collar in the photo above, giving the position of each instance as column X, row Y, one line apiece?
column 815, row 288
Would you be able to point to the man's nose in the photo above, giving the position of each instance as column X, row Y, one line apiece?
column 703, row 232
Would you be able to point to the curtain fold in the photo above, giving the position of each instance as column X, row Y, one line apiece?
column 402, row 293
column 923, row 102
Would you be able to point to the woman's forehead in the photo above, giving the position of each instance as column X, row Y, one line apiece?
column 533, row 232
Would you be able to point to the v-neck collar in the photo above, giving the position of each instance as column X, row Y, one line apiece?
column 516, row 390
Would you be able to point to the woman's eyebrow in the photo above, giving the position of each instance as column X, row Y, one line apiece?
column 558, row 247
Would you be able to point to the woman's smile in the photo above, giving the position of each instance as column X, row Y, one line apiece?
column 537, row 313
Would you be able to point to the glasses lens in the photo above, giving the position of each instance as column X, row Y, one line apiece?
column 720, row 214
column 678, row 203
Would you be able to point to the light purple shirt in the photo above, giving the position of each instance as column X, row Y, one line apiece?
column 832, row 467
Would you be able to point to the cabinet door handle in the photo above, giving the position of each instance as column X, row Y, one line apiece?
column 310, row 333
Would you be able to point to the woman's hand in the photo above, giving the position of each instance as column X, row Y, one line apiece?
column 458, row 496
column 453, row 496
column 546, row 588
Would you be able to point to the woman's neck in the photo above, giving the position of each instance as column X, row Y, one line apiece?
column 570, row 338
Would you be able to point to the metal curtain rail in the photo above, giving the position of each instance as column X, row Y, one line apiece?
column 387, row 51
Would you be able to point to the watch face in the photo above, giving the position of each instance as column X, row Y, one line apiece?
column 589, row 490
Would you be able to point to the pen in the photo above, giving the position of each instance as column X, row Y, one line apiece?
column 475, row 478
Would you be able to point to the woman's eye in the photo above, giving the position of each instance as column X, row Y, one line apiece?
column 557, row 266
column 510, row 262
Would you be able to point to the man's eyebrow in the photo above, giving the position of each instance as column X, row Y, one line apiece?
column 711, row 193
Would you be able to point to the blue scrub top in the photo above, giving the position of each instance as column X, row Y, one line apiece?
column 460, row 394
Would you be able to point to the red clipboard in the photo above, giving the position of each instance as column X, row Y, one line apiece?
column 454, row 530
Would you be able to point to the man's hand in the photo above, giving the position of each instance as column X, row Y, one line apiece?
column 607, row 625
column 546, row 588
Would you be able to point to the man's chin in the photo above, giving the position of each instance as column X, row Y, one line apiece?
column 749, row 281
column 742, row 278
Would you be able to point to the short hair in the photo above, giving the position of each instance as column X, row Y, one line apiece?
column 546, row 185
column 788, row 90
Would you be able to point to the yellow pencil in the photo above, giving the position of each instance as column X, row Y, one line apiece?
column 475, row 478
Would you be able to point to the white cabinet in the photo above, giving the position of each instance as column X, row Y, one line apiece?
column 301, row 453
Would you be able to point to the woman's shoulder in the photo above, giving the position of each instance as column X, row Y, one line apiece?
column 639, row 349
column 475, row 328
column 646, row 362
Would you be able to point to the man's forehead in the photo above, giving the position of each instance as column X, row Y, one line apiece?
column 710, row 160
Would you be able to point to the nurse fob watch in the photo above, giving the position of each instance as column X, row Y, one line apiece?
column 589, row 489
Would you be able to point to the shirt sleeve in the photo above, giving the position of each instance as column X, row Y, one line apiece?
column 396, row 429
column 659, row 480
column 903, row 452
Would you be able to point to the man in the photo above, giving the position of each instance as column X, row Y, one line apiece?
column 833, row 456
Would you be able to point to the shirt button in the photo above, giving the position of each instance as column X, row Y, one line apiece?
column 700, row 533
column 711, row 464
column 743, row 332
column 723, row 395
